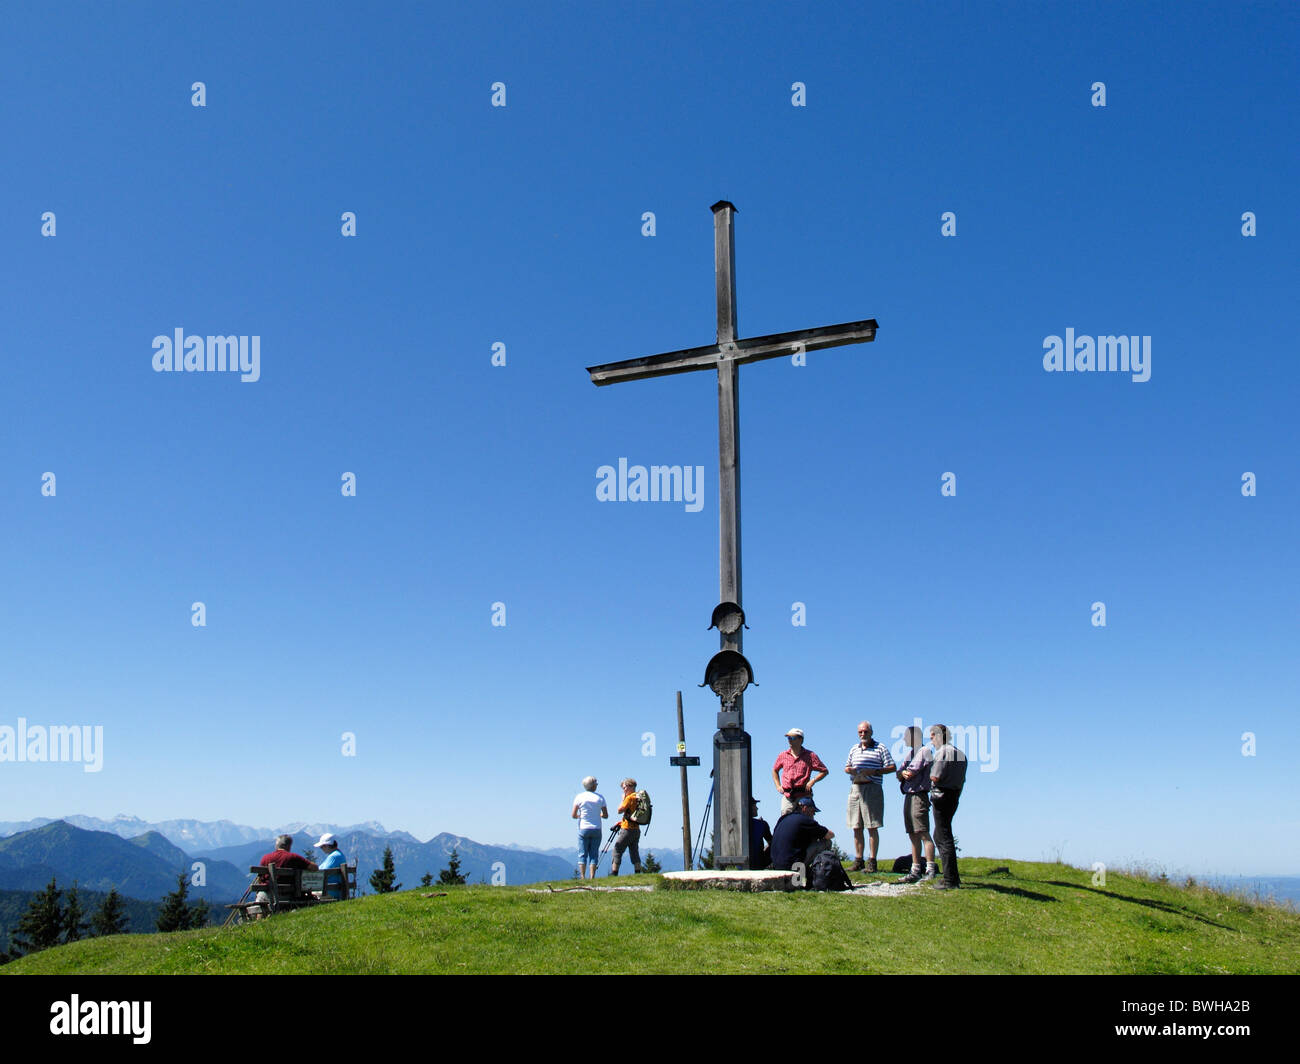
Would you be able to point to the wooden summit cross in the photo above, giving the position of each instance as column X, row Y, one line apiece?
column 731, row 748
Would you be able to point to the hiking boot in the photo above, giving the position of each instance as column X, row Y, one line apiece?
column 947, row 886
column 930, row 873
column 914, row 876
column 871, row 866
column 857, row 865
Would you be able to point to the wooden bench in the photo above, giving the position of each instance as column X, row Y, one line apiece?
column 287, row 889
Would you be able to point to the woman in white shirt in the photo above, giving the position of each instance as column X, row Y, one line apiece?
column 589, row 810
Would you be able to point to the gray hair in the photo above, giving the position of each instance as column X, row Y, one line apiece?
column 284, row 842
column 589, row 783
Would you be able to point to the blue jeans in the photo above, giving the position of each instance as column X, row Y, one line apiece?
column 589, row 846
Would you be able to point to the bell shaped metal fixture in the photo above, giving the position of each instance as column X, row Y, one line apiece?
column 727, row 675
column 728, row 618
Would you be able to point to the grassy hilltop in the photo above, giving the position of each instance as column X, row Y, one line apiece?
column 1034, row 918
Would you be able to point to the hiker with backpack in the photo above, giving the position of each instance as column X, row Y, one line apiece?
column 635, row 809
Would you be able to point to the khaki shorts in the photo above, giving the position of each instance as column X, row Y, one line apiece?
column 916, row 813
column 866, row 806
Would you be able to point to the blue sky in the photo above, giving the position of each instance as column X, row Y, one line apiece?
column 522, row 225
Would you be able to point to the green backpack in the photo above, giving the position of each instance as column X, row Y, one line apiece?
column 643, row 809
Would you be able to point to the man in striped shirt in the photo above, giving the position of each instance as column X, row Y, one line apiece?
column 867, row 763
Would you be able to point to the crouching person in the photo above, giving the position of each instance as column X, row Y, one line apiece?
column 798, row 838
column 800, row 843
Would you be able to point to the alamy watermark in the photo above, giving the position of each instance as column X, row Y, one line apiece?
column 179, row 353
column 978, row 742
column 58, row 742
column 1113, row 354
column 684, row 484
column 77, row 1017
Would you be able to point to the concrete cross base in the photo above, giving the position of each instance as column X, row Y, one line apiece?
column 735, row 879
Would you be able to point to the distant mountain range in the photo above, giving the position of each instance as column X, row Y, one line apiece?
column 200, row 836
column 145, row 867
column 231, row 842
column 669, row 860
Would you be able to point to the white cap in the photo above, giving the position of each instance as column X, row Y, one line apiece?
column 794, row 731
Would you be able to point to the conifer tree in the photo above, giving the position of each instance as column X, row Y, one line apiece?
column 383, row 880
column 426, row 880
column 42, row 923
column 650, row 863
column 74, row 917
column 110, row 918
column 451, row 874
column 177, row 914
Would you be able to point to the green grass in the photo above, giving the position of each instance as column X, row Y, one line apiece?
column 1038, row 918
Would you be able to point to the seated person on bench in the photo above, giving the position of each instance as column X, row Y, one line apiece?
column 282, row 857
column 334, row 858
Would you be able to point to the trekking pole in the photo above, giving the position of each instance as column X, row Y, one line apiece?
column 699, row 839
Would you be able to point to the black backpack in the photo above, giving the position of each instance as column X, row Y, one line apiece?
column 827, row 873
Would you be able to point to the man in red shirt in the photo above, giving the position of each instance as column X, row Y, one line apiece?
column 282, row 857
column 792, row 772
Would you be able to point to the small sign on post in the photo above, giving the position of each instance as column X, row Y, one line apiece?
column 684, row 762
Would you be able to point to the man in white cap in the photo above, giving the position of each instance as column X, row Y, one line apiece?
column 334, row 858
column 792, row 772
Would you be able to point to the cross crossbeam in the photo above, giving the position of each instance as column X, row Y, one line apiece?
column 753, row 349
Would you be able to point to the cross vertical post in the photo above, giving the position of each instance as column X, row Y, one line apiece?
column 732, row 775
